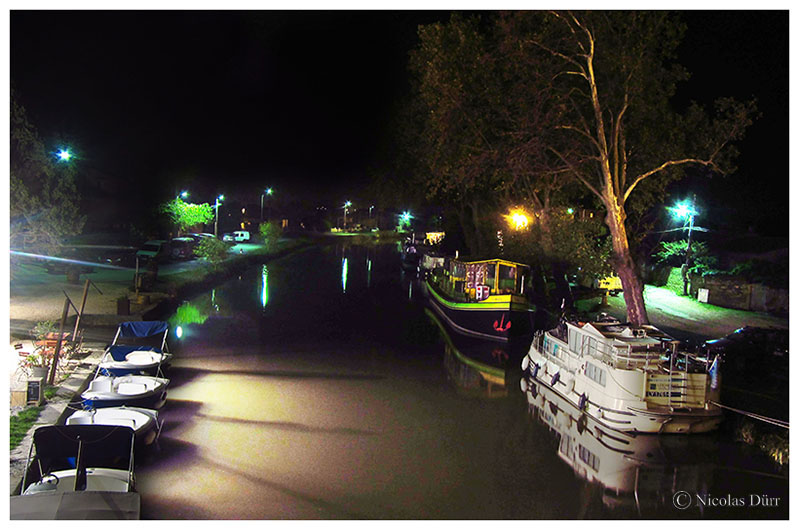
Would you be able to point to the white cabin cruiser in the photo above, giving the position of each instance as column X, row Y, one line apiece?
column 631, row 379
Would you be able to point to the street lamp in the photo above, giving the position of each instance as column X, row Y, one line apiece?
column 685, row 210
column 268, row 191
column 184, row 194
column 219, row 200
column 518, row 219
column 344, row 221
column 64, row 155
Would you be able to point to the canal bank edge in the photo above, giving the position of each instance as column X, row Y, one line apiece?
column 57, row 409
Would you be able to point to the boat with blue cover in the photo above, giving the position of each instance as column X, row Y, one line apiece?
column 139, row 347
column 79, row 472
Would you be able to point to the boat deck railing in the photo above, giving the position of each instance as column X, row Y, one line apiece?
column 627, row 357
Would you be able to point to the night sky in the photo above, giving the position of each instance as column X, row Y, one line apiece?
column 301, row 100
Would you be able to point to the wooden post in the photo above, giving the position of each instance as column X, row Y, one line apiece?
column 80, row 313
column 83, row 306
column 64, row 313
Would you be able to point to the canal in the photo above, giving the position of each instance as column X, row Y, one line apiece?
column 318, row 387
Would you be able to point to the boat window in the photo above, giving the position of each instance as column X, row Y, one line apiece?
column 574, row 339
column 566, row 446
column 507, row 279
column 490, row 276
column 596, row 374
column 589, row 458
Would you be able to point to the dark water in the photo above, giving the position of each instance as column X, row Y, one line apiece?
column 317, row 387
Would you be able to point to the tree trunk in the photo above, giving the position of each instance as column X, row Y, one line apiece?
column 633, row 289
column 469, row 237
column 476, row 222
column 557, row 268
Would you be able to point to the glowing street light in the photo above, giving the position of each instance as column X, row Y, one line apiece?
column 685, row 210
column 518, row 219
column 344, row 207
column 268, row 191
column 219, row 200
column 64, row 155
column 184, row 194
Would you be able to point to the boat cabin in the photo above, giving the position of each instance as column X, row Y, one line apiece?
column 481, row 279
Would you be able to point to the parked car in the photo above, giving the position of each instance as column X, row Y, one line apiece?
column 182, row 248
column 157, row 250
column 752, row 341
column 237, row 236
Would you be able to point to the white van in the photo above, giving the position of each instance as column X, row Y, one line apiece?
column 237, row 236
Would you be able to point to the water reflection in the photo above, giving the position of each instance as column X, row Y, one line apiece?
column 476, row 367
column 344, row 275
column 264, row 286
column 331, row 400
column 635, row 473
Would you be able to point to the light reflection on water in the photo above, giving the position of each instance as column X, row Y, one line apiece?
column 334, row 404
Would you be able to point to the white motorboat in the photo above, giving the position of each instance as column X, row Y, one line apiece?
column 133, row 390
column 119, row 360
column 139, row 347
column 632, row 379
column 637, row 472
column 79, row 472
column 144, row 422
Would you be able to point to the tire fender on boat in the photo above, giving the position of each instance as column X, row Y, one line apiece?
column 523, row 385
column 535, row 370
column 570, row 384
column 525, row 363
column 555, row 378
column 582, row 401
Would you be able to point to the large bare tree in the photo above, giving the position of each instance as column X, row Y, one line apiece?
column 618, row 132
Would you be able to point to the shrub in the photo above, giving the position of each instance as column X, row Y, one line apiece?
column 270, row 232
column 212, row 249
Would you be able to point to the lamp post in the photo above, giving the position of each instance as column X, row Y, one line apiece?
column 344, row 221
column 686, row 210
column 268, row 191
column 64, row 155
column 184, row 194
column 219, row 200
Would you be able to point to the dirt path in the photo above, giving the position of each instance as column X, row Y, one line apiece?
column 686, row 318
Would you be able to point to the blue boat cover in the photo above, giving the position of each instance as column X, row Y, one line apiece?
column 118, row 352
column 142, row 328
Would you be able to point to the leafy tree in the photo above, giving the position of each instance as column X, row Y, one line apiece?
column 186, row 215
column 44, row 200
column 270, row 232
column 617, row 132
column 455, row 89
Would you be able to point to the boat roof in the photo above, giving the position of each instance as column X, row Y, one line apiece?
column 101, row 444
column 80, row 505
column 623, row 334
column 142, row 328
column 494, row 261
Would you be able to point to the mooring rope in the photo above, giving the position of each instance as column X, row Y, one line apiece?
column 762, row 418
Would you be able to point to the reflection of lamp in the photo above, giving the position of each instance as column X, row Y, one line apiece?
column 344, row 275
column 264, row 286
